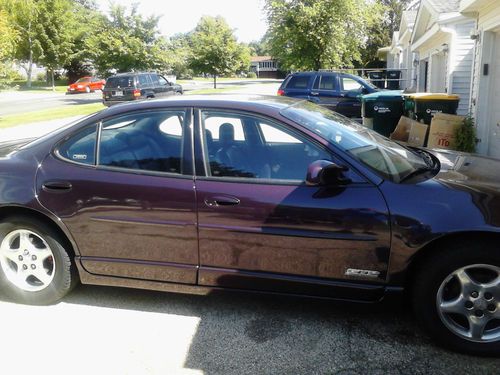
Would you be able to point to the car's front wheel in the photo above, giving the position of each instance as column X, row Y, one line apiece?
column 456, row 297
column 35, row 268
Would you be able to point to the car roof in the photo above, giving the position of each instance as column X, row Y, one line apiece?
column 131, row 73
column 267, row 103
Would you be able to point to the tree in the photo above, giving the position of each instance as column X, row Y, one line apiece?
column 259, row 47
column 24, row 19
column 215, row 50
column 56, row 34
column 384, row 18
column 316, row 34
column 124, row 42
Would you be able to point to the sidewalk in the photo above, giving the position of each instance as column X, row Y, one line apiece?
column 34, row 130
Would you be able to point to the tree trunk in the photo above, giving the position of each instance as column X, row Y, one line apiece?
column 215, row 81
column 52, row 79
column 30, row 58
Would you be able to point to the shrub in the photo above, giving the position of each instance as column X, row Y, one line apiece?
column 465, row 137
column 251, row 75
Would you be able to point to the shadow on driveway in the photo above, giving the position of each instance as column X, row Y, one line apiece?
column 254, row 334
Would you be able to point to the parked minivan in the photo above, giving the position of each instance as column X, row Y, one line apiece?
column 337, row 91
column 125, row 87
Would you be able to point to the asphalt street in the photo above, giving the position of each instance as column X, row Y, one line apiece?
column 13, row 102
column 104, row 330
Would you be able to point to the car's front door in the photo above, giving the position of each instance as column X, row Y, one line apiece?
column 350, row 91
column 131, row 209
column 165, row 86
column 325, row 91
column 261, row 227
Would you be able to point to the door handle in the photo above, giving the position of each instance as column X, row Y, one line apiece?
column 57, row 186
column 221, row 201
column 314, row 93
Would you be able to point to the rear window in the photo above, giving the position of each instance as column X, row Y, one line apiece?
column 125, row 81
column 298, row 82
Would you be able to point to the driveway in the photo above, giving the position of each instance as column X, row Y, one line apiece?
column 101, row 330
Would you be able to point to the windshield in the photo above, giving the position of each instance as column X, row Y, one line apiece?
column 122, row 81
column 85, row 79
column 387, row 158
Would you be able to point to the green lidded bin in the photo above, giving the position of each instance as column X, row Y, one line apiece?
column 423, row 105
column 382, row 110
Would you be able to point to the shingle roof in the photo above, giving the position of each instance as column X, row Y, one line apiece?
column 260, row 58
column 445, row 6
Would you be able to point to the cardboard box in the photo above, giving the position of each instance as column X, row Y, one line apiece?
column 443, row 129
column 410, row 131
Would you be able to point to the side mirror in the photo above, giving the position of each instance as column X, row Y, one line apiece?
column 326, row 173
column 364, row 91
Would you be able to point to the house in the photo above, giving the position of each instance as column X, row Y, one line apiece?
column 444, row 50
column 485, row 93
column 264, row 67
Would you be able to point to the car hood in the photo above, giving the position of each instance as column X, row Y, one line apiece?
column 469, row 170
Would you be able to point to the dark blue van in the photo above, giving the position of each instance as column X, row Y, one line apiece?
column 337, row 91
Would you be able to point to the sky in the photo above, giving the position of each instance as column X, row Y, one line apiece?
column 179, row 16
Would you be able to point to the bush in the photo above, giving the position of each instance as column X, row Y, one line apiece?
column 252, row 75
column 41, row 77
column 465, row 137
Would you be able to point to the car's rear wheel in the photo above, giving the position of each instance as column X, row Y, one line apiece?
column 87, row 89
column 35, row 268
column 456, row 298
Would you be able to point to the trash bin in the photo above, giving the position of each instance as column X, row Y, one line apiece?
column 382, row 110
column 377, row 78
column 393, row 79
column 422, row 106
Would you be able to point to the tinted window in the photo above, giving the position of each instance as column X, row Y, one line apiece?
column 298, row 82
column 148, row 141
column 154, row 79
column 162, row 81
column 122, row 81
column 266, row 150
column 80, row 147
column 327, row 82
column 143, row 80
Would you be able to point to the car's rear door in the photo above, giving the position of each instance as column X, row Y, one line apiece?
column 261, row 227
column 130, row 202
column 298, row 86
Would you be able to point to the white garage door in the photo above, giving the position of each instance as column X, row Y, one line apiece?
column 494, row 105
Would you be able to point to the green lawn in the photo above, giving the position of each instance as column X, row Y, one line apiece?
column 212, row 90
column 37, row 86
column 50, row 114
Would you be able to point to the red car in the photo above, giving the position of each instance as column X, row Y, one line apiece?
column 86, row 84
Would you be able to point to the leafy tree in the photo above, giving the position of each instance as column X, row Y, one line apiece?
column 24, row 19
column 175, row 54
column 86, row 20
column 56, row 34
column 384, row 18
column 259, row 47
column 315, row 34
column 124, row 42
column 215, row 50
column 8, row 36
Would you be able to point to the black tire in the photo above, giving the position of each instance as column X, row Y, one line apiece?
column 434, row 271
column 64, row 276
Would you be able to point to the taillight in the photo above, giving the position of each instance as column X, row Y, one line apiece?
column 137, row 93
column 281, row 92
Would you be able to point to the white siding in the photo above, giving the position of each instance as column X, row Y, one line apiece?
column 461, row 64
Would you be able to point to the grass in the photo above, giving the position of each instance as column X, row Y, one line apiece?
column 37, row 86
column 50, row 114
column 211, row 91
column 221, row 79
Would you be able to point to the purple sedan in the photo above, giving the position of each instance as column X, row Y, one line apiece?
column 254, row 193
